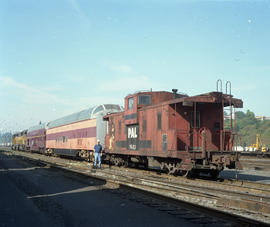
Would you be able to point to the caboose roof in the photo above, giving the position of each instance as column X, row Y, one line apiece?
column 211, row 97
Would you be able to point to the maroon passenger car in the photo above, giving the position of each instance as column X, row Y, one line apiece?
column 177, row 133
column 36, row 138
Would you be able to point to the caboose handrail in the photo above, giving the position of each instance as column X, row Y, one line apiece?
column 230, row 86
column 219, row 81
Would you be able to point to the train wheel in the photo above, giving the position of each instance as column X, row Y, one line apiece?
column 126, row 164
column 118, row 161
column 214, row 174
column 189, row 173
column 184, row 173
column 171, row 168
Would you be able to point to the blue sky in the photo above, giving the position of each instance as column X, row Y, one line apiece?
column 61, row 56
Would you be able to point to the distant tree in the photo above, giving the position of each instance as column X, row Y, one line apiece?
column 239, row 115
column 247, row 126
column 5, row 137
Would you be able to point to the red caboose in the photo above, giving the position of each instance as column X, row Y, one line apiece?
column 178, row 133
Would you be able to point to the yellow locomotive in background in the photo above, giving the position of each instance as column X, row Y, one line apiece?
column 19, row 141
column 258, row 146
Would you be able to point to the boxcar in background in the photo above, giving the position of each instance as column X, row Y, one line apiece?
column 36, row 138
column 76, row 134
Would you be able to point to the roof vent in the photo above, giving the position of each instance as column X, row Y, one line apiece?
column 174, row 93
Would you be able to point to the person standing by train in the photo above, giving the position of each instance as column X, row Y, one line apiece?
column 98, row 153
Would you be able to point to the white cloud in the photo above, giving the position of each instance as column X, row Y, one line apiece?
column 265, row 68
column 8, row 81
column 243, row 88
column 128, row 84
column 86, row 102
column 122, row 68
column 26, row 105
column 128, row 81
column 30, row 94
column 78, row 78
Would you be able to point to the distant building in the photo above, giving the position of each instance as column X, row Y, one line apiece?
column 262, row 118
column 239, row 148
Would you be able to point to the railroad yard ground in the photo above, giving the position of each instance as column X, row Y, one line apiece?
column 254, row 169
column 260, row 176
column 64, row 193
column 35, row 195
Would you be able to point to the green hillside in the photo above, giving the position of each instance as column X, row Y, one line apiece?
column 247, row 126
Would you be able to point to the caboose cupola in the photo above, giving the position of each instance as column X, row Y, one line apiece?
column 139, row 100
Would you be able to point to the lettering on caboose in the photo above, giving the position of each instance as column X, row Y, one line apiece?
column 132, row 132
column 133, row 137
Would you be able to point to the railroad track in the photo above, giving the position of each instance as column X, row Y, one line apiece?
column 262, row 155
column 247, row 201
column 255, row 163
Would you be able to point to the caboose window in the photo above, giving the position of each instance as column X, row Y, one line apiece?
column 159, row 120
column 198, row 121
column 144, row 126
column 144, row 100
column 130, row 103
column 119, row 127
